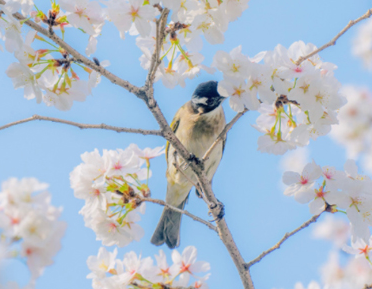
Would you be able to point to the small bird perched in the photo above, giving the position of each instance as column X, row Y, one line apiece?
column 197, row 124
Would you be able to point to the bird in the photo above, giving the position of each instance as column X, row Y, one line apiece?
column 197, row 124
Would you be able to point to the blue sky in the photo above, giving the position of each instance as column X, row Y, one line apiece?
column 247, row 182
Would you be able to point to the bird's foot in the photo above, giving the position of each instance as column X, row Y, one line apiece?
column 218, row 210
column 197, row 161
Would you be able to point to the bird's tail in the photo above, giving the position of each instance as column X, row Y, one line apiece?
column 168, row 229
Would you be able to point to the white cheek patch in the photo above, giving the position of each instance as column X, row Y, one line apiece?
column 202, row 100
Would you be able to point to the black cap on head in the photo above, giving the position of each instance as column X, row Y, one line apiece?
column 206, row 96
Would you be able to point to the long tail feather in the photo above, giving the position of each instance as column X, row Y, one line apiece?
column 168, row 229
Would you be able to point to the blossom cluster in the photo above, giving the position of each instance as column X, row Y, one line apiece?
column 113, row 186
column 54, row 81
column 337, row 191
column 180, row 50
column 354, row 130
column 355, row 272
column 296, row 102
column 49, row 74
column 29, row 225
column 362, row 44
column 137, row 272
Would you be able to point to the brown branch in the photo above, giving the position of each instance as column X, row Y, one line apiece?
column 158, row 6
column 286, row 236
column 195, row 164
column 195, row 218
column 223, row 134
column 83, row 126
column 333, row 41
column 160, row 35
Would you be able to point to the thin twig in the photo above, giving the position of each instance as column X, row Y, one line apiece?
column 195, row 218
column 286, row 236
column 223, row 133
column 155, row 59
column 83, row 126
column 333, row 41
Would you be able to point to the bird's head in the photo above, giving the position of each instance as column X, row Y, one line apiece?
column 206, row 97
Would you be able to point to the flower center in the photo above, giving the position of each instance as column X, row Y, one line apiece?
column 185, row 268
column 238, row 91
column 304, row 181
column 235, row 68
column 118, row 166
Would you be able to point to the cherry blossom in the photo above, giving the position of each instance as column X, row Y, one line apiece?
column 354, row 129
column 124, row 14
column 186, row 263
column 112, row 188
column 25, row 6
column 355, row 274
column 360, row 248
column 233, row 64
column 101, row 264
column 108, row 272
column 240, row 95
column 23, row 77
column 84, row 14
column 303, row 183
column 27, row 216
column 12, row 29
column 335, row 230
column 362, row 44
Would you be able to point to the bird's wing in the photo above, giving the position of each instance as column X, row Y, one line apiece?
column 174, row 125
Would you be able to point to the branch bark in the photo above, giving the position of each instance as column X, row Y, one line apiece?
column 223, row 133
column 198, row 168
column 84, row 126
column 195, row 164
column 333, row 41
column 195, row 218
column 286, row 236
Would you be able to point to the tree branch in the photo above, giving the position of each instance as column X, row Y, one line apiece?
column 223, row 133
column 195, row 218
column 160, row 35
column 83, row 126
column 333, row 41
column 197, row 166
column 286, row 236
column 146, row 93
